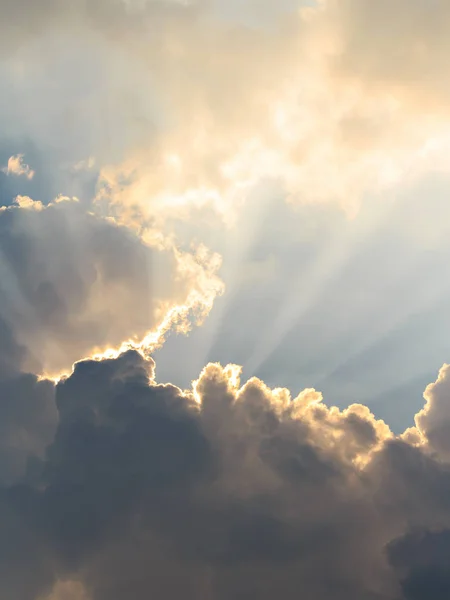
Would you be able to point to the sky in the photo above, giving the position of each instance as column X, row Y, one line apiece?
column 224, row 332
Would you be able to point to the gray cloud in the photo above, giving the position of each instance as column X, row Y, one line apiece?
column 422, row 558
column 28, row 414
column 145, row 491
column 72, row 283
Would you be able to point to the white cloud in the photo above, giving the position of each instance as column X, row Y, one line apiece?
column 17, row 167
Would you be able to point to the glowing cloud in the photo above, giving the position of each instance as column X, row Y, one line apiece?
column 74, row 284
column 225, row 488
column 17, row 167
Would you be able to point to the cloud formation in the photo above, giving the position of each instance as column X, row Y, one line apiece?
column 73, row 284
column 188, row 105
column 113, row 486
column 224, row 491
column 28, row 414
column 17, row 167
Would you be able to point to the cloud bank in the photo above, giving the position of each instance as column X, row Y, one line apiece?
column 226, row 491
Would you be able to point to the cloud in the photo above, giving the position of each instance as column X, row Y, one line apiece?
column 409, row 34
column 28, row 413
column 113, row 486
column 188, row 107
column 434, row 419
column 74, row 284
column 224, row 490
column 324, row 317
column 423, row 559
column 17, row 167
column 67, row 590
column 27, row 202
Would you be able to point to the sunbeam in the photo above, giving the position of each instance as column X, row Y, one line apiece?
column 224, row 239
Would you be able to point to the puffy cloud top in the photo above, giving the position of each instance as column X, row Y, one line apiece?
column 225, row 490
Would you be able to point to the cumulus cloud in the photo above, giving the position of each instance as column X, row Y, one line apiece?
column 17, row 167
column 434, row 419
column 74, row 284
column 222, row 491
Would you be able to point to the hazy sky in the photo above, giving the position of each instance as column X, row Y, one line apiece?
column 224, row 242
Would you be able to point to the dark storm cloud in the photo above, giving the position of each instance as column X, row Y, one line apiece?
column 222, row 492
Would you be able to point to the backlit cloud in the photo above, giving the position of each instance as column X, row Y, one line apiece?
column 188, row 109
column 74, row 284
column 229, row 491
column 17, row 167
